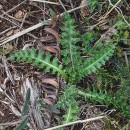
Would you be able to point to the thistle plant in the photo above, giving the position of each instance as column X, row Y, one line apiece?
column 73, row 68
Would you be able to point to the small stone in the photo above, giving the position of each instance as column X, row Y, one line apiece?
column 1, row 7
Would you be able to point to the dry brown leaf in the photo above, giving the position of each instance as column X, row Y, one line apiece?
column 52, row 96
column 19, row 14
column 51, row 81
column 53, row 23
column 50, row 49
column 48, row 89
column 46, row 39
column 53, row 32
column 47, row 101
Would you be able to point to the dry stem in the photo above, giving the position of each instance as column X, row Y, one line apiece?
column 76, row 122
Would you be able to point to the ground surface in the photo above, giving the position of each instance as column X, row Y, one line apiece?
column 17, row 16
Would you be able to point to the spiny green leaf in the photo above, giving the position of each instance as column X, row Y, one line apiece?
column 103, row 97
column 38, row 60
column 99, row 59
column 71, row 56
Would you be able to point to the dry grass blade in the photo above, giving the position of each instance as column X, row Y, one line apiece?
column 76, row 122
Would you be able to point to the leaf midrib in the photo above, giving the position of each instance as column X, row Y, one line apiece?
column 99, row 59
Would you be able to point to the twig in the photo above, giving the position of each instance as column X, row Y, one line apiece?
column 113, row 7
column 8, row 29
column 23, row 20
column 72, row 6
column 6, row 40
column 103, row 35
column 21, row 26
column 105, row 16
column 127, row 4
column 76, row 122
column 48, row 2
column 110, row 3
column 10, row 123
column 120, row 12
column 62, row 5
column 9, row 19
column 126, row 59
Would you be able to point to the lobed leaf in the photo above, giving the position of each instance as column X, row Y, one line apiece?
column 37, row 60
